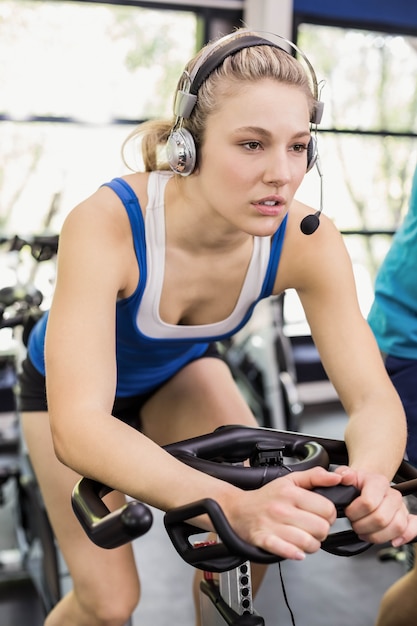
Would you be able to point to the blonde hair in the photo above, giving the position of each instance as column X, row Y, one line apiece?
column 248, row 65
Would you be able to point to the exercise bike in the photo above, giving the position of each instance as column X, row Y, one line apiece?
column 272, row 453
column 30, row 567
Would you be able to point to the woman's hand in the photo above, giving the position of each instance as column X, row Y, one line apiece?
column 410, row 533
column 379, row 514
column 285, row 517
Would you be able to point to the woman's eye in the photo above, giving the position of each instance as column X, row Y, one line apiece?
column 252, row 145
column 299, row 147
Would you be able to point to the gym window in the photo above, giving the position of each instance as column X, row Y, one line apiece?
column 367, row 141
column 76, row 78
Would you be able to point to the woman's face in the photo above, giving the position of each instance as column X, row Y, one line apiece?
column 254, row 155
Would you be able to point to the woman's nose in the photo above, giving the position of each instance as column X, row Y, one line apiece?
column 277, row 169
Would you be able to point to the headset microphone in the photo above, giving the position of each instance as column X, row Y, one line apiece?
column 310, row 223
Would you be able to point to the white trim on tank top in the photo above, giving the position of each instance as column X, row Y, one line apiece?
column 148, row 319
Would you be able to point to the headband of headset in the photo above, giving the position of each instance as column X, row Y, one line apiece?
column 215, row 55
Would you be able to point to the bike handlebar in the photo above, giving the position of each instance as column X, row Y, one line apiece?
column 108, row 529
column 218, row 453
column 233, row 551
column 42, row 247
column 19, row 304
column 272, row 454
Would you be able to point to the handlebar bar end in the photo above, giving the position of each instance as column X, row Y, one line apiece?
column 104, row 528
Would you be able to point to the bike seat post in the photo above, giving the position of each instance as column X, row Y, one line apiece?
column 228, row 601
column 236, row 588
column 235, row 585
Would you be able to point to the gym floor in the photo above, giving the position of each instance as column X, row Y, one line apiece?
column 323, row 590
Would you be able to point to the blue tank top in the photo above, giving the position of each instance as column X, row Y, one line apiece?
column 148, row 351
column 393, row 315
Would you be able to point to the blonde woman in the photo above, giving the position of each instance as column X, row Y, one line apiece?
column 153, row 268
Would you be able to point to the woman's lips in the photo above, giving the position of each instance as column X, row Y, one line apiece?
column 270, row 206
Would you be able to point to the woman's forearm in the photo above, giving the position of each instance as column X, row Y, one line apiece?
column 376, row 436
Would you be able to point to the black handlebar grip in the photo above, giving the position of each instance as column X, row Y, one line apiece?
column 347, row 542
column 340, row 495
column 233, row 550
column 105, row 528
column 344, row 543
column 218, row 557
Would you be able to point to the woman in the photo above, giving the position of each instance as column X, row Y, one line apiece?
column 155, row 267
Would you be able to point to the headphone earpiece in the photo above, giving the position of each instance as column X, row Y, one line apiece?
column 312, row 154
column 181, row 151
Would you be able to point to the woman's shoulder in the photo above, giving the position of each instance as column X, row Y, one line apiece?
column 298, row 211
column 138, row 182
column 105, row 203
column 304, row 256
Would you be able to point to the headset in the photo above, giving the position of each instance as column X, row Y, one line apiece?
column 181, row 149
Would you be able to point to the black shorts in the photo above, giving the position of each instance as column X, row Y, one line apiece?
column 32, row 393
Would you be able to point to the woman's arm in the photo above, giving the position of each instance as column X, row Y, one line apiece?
column 376, row 431
column 319, row 268
column 375, row 435
column 96, row 264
